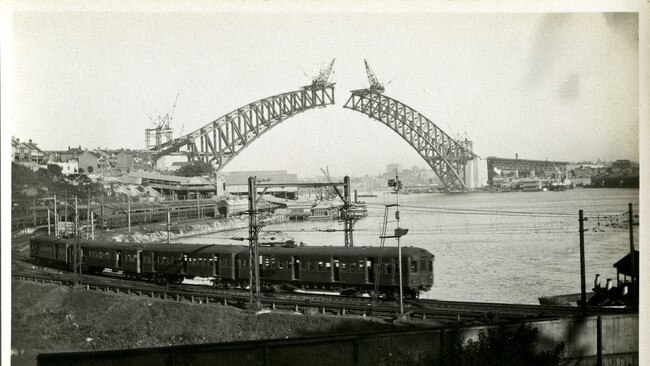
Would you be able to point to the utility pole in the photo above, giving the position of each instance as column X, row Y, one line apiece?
column 169, row 226
column 253, row 246
column 399, row 247
column 34, row 212
column 583, row 287
column 56, row 219
column 76, row 246
column 88, row 212
column 128, row 213
column 634, row 288
column 65, row 229
column 349, row 220
column 399, row 232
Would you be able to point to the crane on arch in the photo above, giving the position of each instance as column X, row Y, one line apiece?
column 323, row 77
column 375, row 85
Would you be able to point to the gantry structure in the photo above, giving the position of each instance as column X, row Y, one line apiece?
column 221, row 140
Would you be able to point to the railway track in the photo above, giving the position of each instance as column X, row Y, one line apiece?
column 445, row 311
column 455, row 311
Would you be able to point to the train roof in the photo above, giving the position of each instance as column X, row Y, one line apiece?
column 325, row 251
column 191, row 248
column 333, row 251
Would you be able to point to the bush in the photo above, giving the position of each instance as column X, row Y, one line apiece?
column 499, row 347
column 195, row 169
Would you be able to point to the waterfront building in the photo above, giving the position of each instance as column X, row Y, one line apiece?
column 181, row 187
column 237, row 182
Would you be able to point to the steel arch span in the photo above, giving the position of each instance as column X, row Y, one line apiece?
column 221, row 140
column 447, row 157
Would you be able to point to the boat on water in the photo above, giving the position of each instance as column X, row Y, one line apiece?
column 559, row 186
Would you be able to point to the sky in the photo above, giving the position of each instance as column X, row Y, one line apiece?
column 556, row 86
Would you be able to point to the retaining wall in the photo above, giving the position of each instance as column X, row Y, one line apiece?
column 414, row 347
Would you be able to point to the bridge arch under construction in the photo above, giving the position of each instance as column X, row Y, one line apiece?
column 221, row 140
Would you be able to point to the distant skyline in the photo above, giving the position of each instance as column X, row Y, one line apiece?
column 556, row 86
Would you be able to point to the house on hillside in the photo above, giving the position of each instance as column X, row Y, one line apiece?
column 26, row 152
column 124, row 160
column 90, row 162
column 68, row 167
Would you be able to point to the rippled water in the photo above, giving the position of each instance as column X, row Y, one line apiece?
column 494, row 247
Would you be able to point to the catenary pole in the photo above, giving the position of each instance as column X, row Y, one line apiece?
column 583, row 287
column 632, row 258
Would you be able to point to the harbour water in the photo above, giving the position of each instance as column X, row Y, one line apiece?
column 492, row 247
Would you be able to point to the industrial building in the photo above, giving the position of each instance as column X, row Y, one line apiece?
column 237, row 182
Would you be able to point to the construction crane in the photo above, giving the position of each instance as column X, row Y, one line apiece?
column 375, row 85
column 323, row 77
column 161, row 129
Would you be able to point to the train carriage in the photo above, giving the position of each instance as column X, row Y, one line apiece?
column 54, row 252
column 341, row 268
column 98, row 255
column 353, row 269
column 173, row 262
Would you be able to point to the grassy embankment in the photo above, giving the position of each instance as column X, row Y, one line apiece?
column 47, row 318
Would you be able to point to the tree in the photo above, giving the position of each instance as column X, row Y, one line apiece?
column 54, row 170
column 195, row 169
column 501, row 346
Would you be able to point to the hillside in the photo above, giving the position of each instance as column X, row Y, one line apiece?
column 48, row 318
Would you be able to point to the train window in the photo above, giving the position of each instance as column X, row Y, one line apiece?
column 430, row 266
column 353, row 266
column 414, row 266
column 320, row 266
column 281, row 264
column 328, row 265
column 308, row 265
column 423, row 264
column 272, row 263
column 108, row 255
column 361, row 263
column 344, row 266
column 289, row 265
column 147, row 260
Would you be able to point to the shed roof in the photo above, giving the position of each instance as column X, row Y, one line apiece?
column 170, row 178
column 624, row 265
